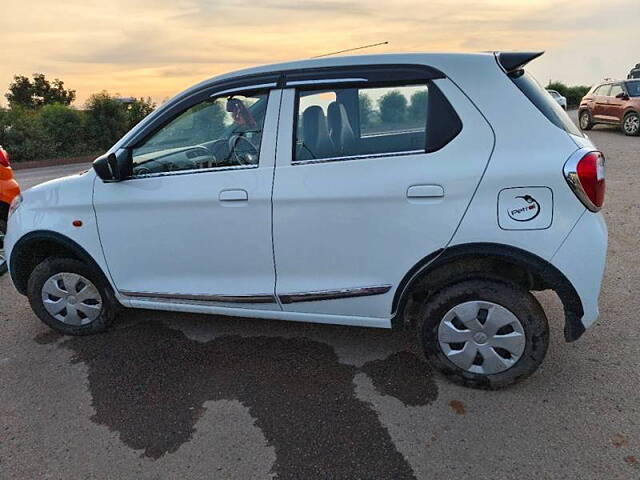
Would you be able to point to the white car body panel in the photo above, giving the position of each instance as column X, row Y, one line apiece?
column 201, row 245
column 588, row 235
column 351, row 224
column 53, row 206
column 337, row 225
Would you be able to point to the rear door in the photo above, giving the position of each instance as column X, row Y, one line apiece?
column 615, row 107
column 353, row 213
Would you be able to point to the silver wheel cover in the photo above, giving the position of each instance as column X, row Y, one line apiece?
column 584, row 120
column 632, row 124
column 71, row 299
column 481, row 337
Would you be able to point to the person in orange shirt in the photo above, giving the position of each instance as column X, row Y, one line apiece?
column 9, row 189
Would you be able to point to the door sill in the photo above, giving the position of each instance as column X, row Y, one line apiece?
column 191, row 306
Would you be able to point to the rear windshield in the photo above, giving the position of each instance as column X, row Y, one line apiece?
column 544, row 102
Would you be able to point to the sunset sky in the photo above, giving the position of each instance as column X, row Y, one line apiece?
column 158, row 47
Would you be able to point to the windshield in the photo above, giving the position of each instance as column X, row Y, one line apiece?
column 633, row 88
column 544, row 102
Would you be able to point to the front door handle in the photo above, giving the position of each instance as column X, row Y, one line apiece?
column 425, row 191
column 233, row 196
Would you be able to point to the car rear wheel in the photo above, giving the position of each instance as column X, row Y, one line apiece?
column 484, row 333
column 70, row 297
column 585, row 120
column 3, row 260
column 631, row 124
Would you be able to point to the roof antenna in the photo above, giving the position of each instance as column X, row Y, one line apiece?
column 351, row 49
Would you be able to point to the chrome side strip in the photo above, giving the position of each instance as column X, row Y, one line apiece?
column 244, row 89
column 357, row 157
column 332, row 294
column 286, row 298
column 262, row 298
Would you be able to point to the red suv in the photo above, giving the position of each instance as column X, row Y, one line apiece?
column 612, row 103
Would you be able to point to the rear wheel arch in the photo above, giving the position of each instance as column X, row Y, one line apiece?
column 34, row 247
column 490, row 261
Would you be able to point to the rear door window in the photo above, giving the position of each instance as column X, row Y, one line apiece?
column 389, row 120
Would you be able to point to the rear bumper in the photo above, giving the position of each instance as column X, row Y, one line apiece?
column 581, row 258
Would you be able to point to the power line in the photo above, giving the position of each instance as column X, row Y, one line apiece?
column 351, row 49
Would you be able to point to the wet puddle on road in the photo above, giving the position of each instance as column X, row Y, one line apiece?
column 150, row 382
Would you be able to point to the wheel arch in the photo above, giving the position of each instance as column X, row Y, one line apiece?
column 498, row 261
column 36, row 246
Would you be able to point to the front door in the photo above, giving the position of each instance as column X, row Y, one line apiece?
column 376, row 179
column 193, row 223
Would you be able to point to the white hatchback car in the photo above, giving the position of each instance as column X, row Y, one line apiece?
column 378, row 191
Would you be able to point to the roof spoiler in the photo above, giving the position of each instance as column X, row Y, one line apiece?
column 514, row 61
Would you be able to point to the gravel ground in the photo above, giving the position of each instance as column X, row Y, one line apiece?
column 168, row 395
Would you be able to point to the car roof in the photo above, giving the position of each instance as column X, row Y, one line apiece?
column 435, row 60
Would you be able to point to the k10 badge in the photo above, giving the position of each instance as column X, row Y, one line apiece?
column 525, row 208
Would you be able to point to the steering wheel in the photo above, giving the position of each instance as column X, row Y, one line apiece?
column 242, row 151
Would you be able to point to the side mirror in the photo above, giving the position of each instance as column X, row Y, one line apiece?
column 113, row 167
column 622, row 96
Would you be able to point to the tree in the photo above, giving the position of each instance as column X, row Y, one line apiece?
column 366, row 109
column 26, row 93
column 138, row 109
column 393, row 107
column 106, row 120
column 418, row 106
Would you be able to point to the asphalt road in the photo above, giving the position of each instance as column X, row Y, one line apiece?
column 168, row 395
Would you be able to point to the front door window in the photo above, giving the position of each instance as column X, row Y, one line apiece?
column 221, row 132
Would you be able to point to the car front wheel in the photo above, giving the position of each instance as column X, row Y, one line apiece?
column 631, row 124
column 70, row 297
column 585, row 120
column 484, row 333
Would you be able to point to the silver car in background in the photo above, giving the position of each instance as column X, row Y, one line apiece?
column 562, row 101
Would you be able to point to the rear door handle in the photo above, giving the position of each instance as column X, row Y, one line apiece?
column 233, row 196
column 425, row 191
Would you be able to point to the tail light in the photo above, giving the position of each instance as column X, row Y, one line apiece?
column 4, row 158
column 585, row 175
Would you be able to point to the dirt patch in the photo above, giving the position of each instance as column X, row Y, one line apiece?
column 458, row 407
column 47, row 337
column 405, row 376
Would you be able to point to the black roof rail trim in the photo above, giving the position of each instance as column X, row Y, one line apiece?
column 512, row 61
column 378, row 73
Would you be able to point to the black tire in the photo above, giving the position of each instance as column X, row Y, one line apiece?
column 631, row 129
column 3, row 262
column 515, row 299
column 55, row 265
column 587, row 124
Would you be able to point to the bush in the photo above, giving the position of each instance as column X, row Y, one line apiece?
column 25, row 137
column 64, row 126
column 106, row 120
